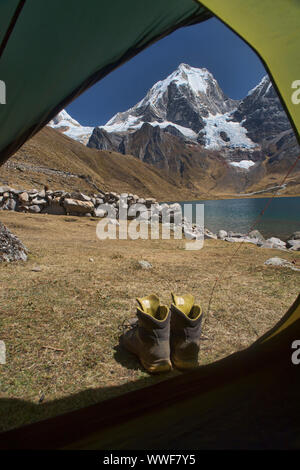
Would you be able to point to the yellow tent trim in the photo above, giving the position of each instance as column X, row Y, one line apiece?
column 271, row 27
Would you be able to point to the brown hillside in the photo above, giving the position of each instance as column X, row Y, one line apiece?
column 62, row 163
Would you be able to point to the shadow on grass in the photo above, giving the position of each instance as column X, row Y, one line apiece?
column 15, row 412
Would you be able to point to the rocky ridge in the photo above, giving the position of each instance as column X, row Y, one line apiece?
column 127, row 206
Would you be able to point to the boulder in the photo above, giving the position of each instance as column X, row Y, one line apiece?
column 35, row 209
column 222, row 234
column 293, row 245
column 273, row 243
column 10, row 205
column 281, row 262
column 99, row 212
column 208, row 234
column 271, row 246
column 11, row 248
column 276, row 241
column 149, row 201
column 76, row 206
column 39, row 201
column 54, row 208
column 23, row 198
column 144, row 264
column 42, row 194
column 295, row 236
column 99, row 201
column 255, row 234
column 113, row 222
column 235, row 234
column 80, row 196
column 243, row 239
column 5, row 189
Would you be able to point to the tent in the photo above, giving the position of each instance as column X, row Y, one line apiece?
column 50, row 53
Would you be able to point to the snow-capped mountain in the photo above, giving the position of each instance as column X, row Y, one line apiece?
column 69, row 126
column 186, row 113
column 191, row 101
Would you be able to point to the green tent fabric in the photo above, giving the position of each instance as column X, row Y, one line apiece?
column 57, row 50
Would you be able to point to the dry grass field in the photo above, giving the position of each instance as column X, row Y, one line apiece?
column 61, row 314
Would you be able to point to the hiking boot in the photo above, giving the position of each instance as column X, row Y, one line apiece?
column 149, row 339
column 186, row 319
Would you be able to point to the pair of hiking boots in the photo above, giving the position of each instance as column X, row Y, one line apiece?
column 163, row 336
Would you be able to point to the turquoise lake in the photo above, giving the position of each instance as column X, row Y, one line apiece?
column 281, row 218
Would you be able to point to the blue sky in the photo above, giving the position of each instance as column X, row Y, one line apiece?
column 210, row 44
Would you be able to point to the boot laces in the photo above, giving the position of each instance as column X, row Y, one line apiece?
column 128, row 324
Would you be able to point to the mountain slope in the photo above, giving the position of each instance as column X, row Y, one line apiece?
column 54, row 159
column 62, row 163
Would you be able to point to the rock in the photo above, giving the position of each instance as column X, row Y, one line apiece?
column 76, row 206
column 10, row 205
column 80, row 196
column 99, row 201
column 23, row 208
column 59, row 193
column 281, row 262
column 273, row 243
column 222, row 234
column 189, row 234
column 32, row 192
column 113, row 222
column 235, row 235
column 54, row 208
column 39, row 201
column 11, row 248
column 271, row 246
column 136, row 210
column 175, row 211
column 295, row 236
column 99, row 212
column 23, row 198
column 35, row 209
column 145, row 264
column 5, row 189
column 276, row 241
column 42, row 194
column 256, row 235
column 237, row 239
column 91, row 260
column 208, row 234
column 149, row 201
column 293, row 245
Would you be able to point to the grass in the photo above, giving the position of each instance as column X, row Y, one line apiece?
column 61, row 315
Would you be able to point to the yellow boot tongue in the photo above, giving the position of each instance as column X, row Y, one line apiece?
column 149, row 304
column 184, row 303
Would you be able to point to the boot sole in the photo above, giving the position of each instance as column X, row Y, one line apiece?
column 158, row 367
column 185, row 365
